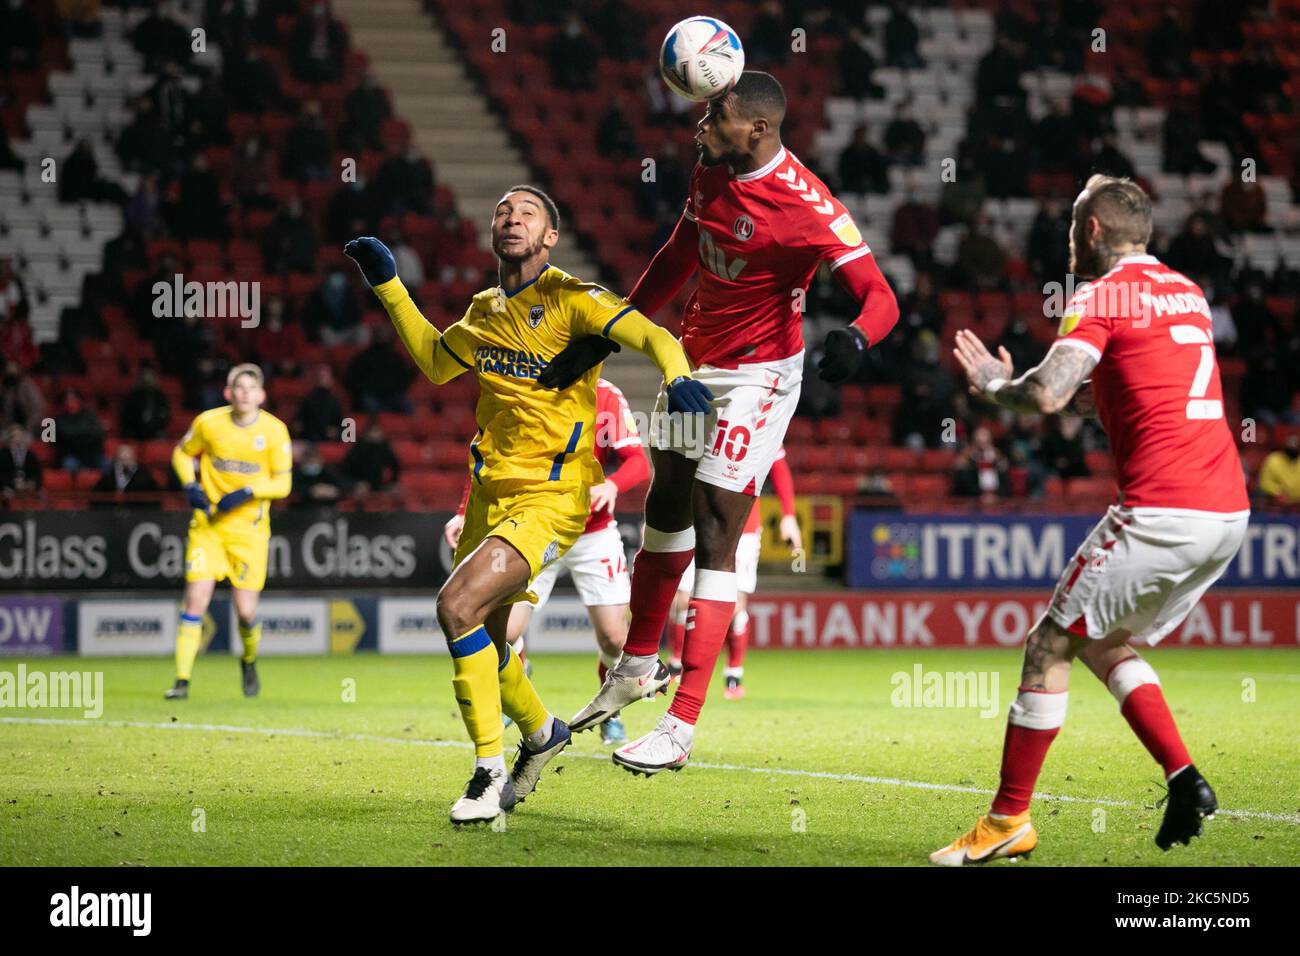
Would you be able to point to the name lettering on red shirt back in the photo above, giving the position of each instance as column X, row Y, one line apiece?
column 1157, row 387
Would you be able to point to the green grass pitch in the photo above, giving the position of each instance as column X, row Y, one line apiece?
column 816, row 766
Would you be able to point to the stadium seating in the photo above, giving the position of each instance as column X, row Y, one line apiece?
column 57, row 246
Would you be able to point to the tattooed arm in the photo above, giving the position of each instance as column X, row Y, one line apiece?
column 1047, row 388
column 1084, row 403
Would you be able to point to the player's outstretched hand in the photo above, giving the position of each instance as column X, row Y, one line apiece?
column 451, row 531
column 688, row 397
column 790, row 532
column 234, row 499
column 603, row 496
column 575, row 360
column 980, row 367
column 198, row 498
column 372, row 257
column 841, row 355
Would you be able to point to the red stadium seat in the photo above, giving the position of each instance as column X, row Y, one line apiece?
column 1091, row 488
column 155, row 454
column 899, row 459
column 333, row 452
column 1099, row 463
column 833, row 431
column 924, row 489
column 937, row 460
column 56, row 479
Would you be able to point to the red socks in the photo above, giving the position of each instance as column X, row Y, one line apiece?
column 706, row 624
column 707, row 618
column 1147, row 713
column 676, row 638
column 1023, row 753
column 655, row 575
column 738, row 640
column 1032, row 724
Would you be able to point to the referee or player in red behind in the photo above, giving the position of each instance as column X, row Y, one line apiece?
column 756, row 226
column 1142, row 332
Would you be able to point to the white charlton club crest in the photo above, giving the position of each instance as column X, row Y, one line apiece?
column 535, row 316
column 743, row 228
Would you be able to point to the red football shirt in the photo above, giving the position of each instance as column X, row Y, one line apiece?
column 617, row 441
column 1157, row 387
column 761, row 238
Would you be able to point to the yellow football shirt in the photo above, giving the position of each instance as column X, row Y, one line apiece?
column 506, row 338
column 236, row 456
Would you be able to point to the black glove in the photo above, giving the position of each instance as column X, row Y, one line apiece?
column 575, row 360
column 842, row 355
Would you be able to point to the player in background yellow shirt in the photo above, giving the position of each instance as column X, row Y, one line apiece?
column 531, row 464
column 245, row 462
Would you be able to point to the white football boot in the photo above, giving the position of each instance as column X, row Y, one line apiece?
column 667, row 747
column 529, row 763
column 617, row 692
column 487, row 794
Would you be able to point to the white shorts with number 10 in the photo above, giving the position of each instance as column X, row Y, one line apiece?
column 742, row 436
column 598, row 565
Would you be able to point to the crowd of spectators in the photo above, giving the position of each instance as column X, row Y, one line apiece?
column 258, row 193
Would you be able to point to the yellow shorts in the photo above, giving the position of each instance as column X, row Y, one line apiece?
column 216, row 551
column 539, row 520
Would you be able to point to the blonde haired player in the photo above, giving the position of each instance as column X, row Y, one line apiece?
column 531, row 467
column 1135, row 348
column 245, row 462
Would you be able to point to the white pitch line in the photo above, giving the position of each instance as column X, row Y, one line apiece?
column 465, row 745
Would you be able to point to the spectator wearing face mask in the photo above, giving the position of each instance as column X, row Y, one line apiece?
column 21, row 401
column 333, row 313
column 371, row 463
column 124, row 474
column 78, row 434
column 19, row 468
column 314, row 482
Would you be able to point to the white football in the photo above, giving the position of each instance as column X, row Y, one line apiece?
column 701, row 58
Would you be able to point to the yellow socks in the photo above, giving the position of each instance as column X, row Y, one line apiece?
column 518, row 696
column 250, row 634
column 189, row 633
column 475, row 684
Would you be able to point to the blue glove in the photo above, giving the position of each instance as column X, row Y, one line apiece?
column 372, row 258
column 234, row 499
column 688, row 397
column 198, row 498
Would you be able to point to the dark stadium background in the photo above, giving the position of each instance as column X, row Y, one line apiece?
column 958, row 134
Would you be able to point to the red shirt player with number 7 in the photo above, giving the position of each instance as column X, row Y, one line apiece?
column 1142, row 331
column 756, row 226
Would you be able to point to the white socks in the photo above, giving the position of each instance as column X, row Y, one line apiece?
column 540, row 736
column 1039, row 710
column 497, row 763
column 630, row 665
column 682, row 732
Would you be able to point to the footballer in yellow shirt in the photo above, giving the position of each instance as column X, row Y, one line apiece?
column 245, row 462
column 531, row 465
